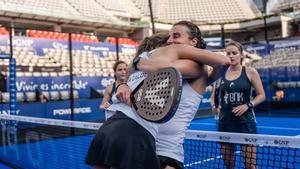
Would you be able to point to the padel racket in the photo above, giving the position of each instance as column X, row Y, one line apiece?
column 157, row 97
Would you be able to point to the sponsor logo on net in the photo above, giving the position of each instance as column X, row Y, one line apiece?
column 251, row 140
column 224, row 138
column 201, row 136
column 281, row 142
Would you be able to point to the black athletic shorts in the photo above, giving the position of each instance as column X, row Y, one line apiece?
column 164, row 161
column 124, row 144
column 238, row 128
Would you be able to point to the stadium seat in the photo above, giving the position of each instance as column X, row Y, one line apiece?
column 280, row 84
column 28, row 74
column 20, row 97
column 293, row 84
column 75, row 94
column 45, row 74
column 30, row 96
column 65, row 95
column 20, row 74
column 46, row 94
column 54, row 95
column 286, row 85
column 5, row 97
column 53, row 74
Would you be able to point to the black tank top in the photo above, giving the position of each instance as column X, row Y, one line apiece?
column 113, row 90
column 234, row 93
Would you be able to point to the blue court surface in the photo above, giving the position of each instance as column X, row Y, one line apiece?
column 3, row 166
column 267, row 157
column 70, row 152
column 286, row 126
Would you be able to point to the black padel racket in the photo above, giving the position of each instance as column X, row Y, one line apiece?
column 157, row 97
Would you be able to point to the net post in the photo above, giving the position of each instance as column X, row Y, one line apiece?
column 12, row 99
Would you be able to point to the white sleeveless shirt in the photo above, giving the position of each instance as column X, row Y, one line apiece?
column 170, row 137
column 134, row 79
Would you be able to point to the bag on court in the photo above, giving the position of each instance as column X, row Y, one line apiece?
column 157, row 97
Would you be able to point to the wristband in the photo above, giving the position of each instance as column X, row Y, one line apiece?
column 250, row 105
column 120, row 85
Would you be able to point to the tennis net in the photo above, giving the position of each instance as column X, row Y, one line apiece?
column 28, row 142
column 206, row 149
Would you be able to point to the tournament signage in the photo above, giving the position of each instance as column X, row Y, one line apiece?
column 84, row 110
column 259, row 48
column 82, row 84
column 39, row 44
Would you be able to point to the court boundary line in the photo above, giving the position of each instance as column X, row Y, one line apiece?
column 208, row 160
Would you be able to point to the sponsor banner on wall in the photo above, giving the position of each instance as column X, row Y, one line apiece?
column 81, row 84
column 205, row 101
column 84, row 110
column 38, row 44
column 260, row 49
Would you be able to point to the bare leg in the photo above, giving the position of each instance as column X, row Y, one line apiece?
column 249, row 152
column 169, row 167
column 228, row 155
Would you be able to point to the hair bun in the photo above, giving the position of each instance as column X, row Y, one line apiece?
column 203, row 44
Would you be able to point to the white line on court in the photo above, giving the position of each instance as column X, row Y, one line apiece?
column 207, row 160
column 279, row 128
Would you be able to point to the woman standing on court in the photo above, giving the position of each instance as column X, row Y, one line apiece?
column 120, row 71
column 236, row 104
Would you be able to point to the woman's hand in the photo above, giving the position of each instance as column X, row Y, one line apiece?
column 104, row 105
column 215, row 110
column 123, row 94
column 240, row 110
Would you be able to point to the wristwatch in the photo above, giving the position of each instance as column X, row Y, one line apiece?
column 135, row 61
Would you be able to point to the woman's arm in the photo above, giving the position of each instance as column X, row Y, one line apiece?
column 215, row 110
column 212, row 97
column 173, row 55
column 106, row 97
column 188, row 68
column 258, row 87
column 216, row 73
column 181, row 51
